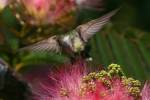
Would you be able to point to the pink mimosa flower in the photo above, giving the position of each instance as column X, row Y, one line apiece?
column 3, row 4
column 72, row 82
column 37, row 8
column 146, row 91
column 39, row 12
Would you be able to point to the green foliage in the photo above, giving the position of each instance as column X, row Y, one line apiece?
column 50, row 58
column 124, row 48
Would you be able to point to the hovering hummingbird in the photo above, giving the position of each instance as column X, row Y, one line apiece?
column 75, row 40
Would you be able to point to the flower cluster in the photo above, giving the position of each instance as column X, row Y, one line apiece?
column 74, row 83
column 3, row 4
column 39, row 12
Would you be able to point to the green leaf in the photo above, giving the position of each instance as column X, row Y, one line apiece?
column 43, row 58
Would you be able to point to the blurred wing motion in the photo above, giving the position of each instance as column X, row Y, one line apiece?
column 50, row 44
column 87, row 30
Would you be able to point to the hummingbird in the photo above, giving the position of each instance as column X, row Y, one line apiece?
column 72, row 42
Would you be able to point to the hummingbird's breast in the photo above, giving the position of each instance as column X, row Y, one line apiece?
column 73, row 42
column 78, row 44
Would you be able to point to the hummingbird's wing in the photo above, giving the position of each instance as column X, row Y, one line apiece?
column 48, row 45
column 86, row 31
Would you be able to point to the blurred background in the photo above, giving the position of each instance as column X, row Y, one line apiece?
column 125, row 40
